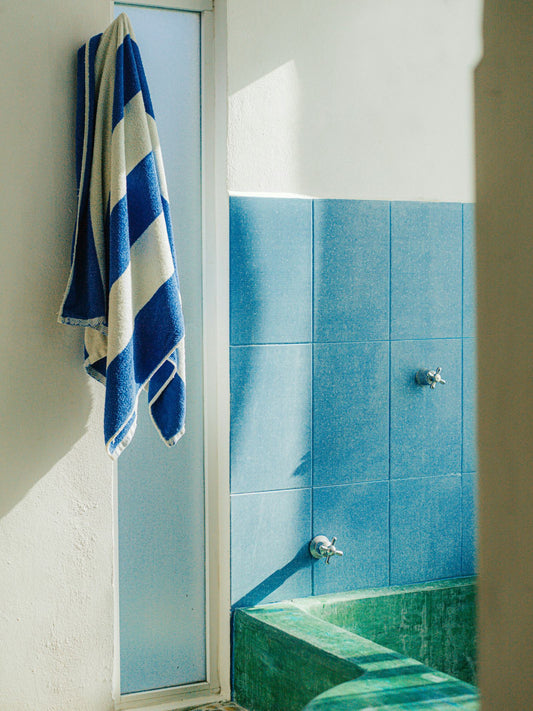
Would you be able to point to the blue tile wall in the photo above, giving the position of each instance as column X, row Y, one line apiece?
column 270, row 270
column 270, row 533
column 425, row 423
column 334, row 306
column 469, row 405
column 425, row 522
column 469, row 518
column 270, row 442
column 426, row 270
column 351, row 270
column 469, row 272
column 358, row 514
column 350, row 412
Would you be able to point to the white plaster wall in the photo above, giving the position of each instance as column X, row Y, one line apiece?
column 367, row 99
column 56, row 587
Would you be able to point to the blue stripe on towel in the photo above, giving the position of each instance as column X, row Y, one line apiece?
column 141, row 180
column 166, row 210
column 169, row 418
column 123, row 285
column 141, row 353
column 146, row 351
column 85, row 94
column 142, row 78
column 120, row 256
column 130, row 78
column 86, row 299
column 132, row 217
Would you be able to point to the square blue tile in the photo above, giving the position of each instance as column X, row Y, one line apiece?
column 425, row 424
column 469, row 271
column 270, row 270
column 350, row 412
column 271, row 408
column 469, row 405
column 358, row 515
column 351, row 270
column 270, row 534
column 426, row 270
column 425, row 529
column 470, row 519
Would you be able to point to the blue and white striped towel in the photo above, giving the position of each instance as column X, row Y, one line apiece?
column 123, row 283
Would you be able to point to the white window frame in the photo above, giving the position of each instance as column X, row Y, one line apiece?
column 215, row 286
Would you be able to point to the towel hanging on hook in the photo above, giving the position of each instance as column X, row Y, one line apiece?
column 123, row 285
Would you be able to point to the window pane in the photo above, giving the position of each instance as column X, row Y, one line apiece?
column 161, row 490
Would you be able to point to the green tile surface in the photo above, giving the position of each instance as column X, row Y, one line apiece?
column 431, row 696
column 433, row 623
column 312, row 651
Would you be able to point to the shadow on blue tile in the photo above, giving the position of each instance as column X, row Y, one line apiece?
column 358, row 515
column 350, row 412
column 270, row 534
column 425, row 422
column 425, row 529
column 271, row 405
column 469, row 405
column 270, row 270
column 351, row 270
column 426, row 270
column 469, row 271
column 469, row 499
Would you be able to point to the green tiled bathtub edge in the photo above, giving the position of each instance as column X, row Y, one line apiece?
column 432, row 696
column 284, row 658
column 431, row 622
column 274, row 650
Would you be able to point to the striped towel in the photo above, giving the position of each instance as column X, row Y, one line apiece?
column 123, row 284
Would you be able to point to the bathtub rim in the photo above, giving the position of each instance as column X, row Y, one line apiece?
column 293, row 618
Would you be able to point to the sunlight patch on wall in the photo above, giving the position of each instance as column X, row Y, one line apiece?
column 268, row 110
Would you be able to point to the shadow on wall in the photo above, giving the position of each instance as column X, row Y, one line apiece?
column 276, row 580
column 45, row 394
column 270, row 357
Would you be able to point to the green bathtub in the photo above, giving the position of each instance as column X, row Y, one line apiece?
column 410, row 647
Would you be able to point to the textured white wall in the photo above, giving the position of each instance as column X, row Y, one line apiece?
column 368, row 99
column 56, row 593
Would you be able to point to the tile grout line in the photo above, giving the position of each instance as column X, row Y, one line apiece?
column 312, row 503
column 390, row 397
column 346, row 343
column 462, row 534
column 361, row 482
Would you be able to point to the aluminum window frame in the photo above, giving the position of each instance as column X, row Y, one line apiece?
column 215, row 288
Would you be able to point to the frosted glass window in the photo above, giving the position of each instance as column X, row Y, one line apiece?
column 161, row 518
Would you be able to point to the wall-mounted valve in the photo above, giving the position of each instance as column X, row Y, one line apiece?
column 322, row 547
column 429, row 377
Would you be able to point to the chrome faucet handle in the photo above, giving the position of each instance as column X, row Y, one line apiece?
column 430, row 377
column 434, row 377
column 322, row 547
column 331, row 550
